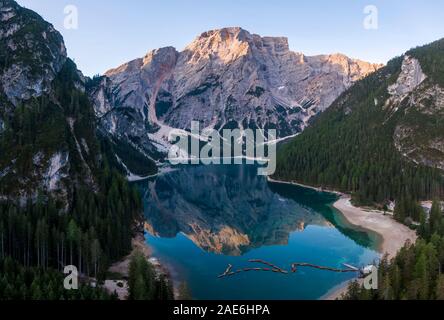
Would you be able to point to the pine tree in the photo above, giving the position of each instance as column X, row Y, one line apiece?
column 73, row 236
column 435, row 217
column 440, row 288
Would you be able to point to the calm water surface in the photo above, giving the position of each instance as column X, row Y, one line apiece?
column 203, row 218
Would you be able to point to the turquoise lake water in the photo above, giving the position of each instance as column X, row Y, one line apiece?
column 203, row 218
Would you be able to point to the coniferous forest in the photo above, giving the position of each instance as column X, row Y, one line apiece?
column 69, row 145
column 350, row 147
column 44, row 234
column 143, row 282
column 417, row 270
column 33, row 283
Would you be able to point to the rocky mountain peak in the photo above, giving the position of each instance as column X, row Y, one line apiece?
column 225, row 78
column 32, row 52
column 43, row 88
column 163, row 58
column 224, row 34
column 163, row 55
column 229, row 44
column 225, row 45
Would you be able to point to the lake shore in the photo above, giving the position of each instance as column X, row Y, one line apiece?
column 304, row 186
column 394, row 235
column 338, row 291
column 121, row 268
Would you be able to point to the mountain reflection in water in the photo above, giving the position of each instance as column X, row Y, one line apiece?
column 230, row 209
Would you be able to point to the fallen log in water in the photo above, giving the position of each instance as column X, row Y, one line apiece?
column 231, row 273
column 309, row 265
column 273, row 268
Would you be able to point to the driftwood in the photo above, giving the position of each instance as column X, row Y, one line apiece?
column 295, row 265
column 273, row 268
column 228, row 272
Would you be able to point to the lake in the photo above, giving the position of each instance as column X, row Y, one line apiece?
column 203, row 218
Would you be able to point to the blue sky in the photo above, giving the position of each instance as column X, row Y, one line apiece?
column 112, row 32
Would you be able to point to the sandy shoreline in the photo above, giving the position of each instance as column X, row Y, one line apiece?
column 394, row 235
column 336, row 292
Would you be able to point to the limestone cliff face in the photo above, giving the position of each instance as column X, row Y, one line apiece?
column 227, row 78
column 138, row 80
column 32, row 52
column 418, row 135
column 47, row 140
column 409, row 79
column 231, row 76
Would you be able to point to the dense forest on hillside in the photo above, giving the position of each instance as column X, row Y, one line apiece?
column 35, row 233
column 431, row 57
column 417, row 270
column 40, row 236
column 33, row 283
column 95, row 231
column 350, row 147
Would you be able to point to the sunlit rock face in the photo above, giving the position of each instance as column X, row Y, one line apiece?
column 227, row 78
column 230, row 76
column 227, row 213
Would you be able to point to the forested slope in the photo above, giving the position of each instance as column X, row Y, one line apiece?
column 377, row 141
column 62, row 202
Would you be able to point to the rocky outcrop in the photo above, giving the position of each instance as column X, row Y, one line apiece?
column 32, row 52
column 140, row 80
column 409, row 79
column 419, row 135
column 227, row 78
column 47, row 150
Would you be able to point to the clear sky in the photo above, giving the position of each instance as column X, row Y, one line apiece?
column 111, row 32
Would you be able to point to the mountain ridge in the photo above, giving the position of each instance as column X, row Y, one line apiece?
column 226, row 78
column 41, row 99
column 382, row 138
column 59, row 189
column 22, row 29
